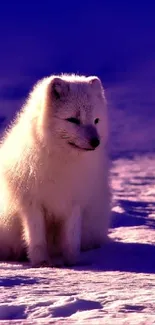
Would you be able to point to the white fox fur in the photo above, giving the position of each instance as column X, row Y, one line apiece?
column 54, row 189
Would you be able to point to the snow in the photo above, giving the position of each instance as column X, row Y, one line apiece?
column 111, row 285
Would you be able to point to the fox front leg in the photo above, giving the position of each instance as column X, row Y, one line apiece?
column 35, row 236
column 71, row 237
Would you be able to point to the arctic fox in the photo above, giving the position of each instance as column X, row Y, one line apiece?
column 54, row 189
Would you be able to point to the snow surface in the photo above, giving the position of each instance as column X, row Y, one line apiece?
column 111, row 285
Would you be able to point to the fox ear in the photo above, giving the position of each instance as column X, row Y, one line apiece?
column 95, row 82
column 60, row 88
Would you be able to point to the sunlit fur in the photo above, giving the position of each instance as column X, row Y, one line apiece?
column 54, row 197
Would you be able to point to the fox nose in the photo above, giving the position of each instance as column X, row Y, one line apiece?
column 94, row 142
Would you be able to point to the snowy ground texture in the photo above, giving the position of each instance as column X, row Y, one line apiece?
column 112, row 285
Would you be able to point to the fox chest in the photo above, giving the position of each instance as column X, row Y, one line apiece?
column 61, row 193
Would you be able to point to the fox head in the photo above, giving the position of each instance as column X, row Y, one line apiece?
column 73, row 112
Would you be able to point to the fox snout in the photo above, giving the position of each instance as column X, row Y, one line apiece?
column 94, row 142
column 92, row 135
column 86, row 138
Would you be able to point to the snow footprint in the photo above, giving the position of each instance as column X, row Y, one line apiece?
column 8, row 312
column 67, row 307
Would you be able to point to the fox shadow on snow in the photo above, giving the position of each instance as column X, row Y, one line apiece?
column 120, row 256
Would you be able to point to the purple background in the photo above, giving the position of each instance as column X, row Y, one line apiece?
column 112, row 39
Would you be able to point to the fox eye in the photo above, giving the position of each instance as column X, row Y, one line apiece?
column 96, row 120
column 73, row 120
